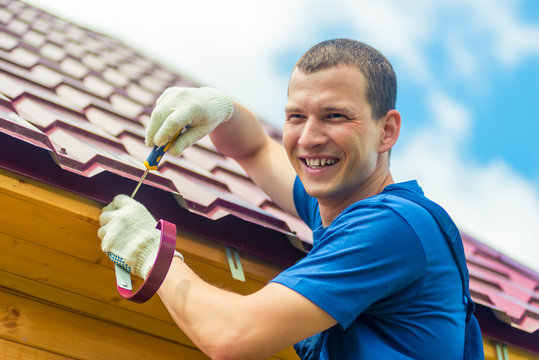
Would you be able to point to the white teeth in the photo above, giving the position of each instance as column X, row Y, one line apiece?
column 320, row 163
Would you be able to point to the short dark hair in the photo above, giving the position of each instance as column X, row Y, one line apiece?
column 381, row 80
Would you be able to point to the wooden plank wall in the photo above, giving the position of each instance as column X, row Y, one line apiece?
column 57, row 290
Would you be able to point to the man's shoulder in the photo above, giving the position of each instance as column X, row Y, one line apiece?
column 386, row 206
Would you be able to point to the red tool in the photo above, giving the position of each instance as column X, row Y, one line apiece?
column 157, row 273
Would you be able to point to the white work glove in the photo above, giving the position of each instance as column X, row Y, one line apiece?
column 128, row 235
column 202, row 109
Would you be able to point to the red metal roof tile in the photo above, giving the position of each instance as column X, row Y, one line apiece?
column 17, row 26
column 500, row 283
column 115, row 77
column 23, row 57
column 114, row 124
column 5, row 15
column 98, row 86
column 7, row 42
column 34, row 38
column 11, row 123
column 41, row 26
column 81, row 99
column 140, row 94
column 73, row 67
column 241, row 186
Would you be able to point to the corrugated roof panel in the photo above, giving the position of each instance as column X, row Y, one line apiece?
column 296, row 225
column 530, row 323
column 126, row 107
column 98, row 86
column 114, row 124
column 115, row 77
column 5, row 15
column 503, row 285
column 241, row 186
column 34, row 38
column 153, row 83
column 11, row 123
column 7, row 42
column 41, row 26
column 84, row 98
column 52, row 52
column 17, row 26
column 140, row 94
column 204, row 157
column 46, row 76
column 23, row 57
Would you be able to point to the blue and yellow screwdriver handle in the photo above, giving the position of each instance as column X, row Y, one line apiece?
column 152, row 161
column 158, row 152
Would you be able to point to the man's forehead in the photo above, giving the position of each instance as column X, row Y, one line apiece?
column 336, row 76
column 331, row 85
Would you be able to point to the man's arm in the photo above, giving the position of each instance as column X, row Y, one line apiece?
column 234, row 130
column 226, row 325
column 265, row 161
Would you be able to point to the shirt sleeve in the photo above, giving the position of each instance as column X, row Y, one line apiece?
column 367, row 254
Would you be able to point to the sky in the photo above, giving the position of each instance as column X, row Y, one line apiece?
column 468, row 84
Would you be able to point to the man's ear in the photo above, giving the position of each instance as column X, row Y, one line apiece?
column 390, row 127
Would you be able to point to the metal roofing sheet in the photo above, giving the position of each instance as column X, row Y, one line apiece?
column 83, row 98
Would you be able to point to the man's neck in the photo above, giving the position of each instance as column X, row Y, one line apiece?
column 331, row 208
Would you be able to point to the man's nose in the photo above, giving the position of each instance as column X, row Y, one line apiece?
column 313, row 133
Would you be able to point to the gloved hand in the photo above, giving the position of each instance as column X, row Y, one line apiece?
column 128, row 235
column 200, row 108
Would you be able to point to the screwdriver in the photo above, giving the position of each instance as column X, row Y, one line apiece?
column 155, row 157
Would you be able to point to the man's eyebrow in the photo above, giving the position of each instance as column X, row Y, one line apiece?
column 325, row 109
column 334, row 108
column 292, row 108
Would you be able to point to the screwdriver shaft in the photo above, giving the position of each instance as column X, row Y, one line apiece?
column 139, row 183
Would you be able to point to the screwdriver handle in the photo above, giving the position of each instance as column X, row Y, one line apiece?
column 158, row 151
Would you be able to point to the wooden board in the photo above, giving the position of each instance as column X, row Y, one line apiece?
column 64, row 332
column 50, row 255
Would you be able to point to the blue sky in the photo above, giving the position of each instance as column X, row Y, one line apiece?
column 468, row 84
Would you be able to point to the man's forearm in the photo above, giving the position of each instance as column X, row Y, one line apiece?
column 263, row 159
column 225, row 325
column 241, row 136
column 209, row 316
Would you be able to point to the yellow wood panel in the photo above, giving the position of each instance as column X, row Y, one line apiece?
column 166, row 329
column 51, row 203
column 63, row 332
column 495, row 351
column 518, row 354
column 42, row 264
column 103, row 312
column 15, row 351
column 49, row 250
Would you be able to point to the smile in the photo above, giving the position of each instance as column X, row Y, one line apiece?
column 319, row 163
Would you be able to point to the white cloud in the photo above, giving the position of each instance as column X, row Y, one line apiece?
column 490, row 202
column 453, row 119
column 513, row 40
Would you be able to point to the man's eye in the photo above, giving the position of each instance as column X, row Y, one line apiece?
column 294, row 117
column 336, row 116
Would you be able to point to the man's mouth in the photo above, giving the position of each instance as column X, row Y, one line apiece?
column 320, row 163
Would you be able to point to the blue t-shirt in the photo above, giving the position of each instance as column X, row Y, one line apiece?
column 383, row 270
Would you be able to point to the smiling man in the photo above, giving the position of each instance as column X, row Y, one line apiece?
column 380, row 281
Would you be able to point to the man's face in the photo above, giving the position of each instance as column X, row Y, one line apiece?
column 329, row 134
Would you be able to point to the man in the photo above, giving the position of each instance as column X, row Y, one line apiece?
column 380, row 281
